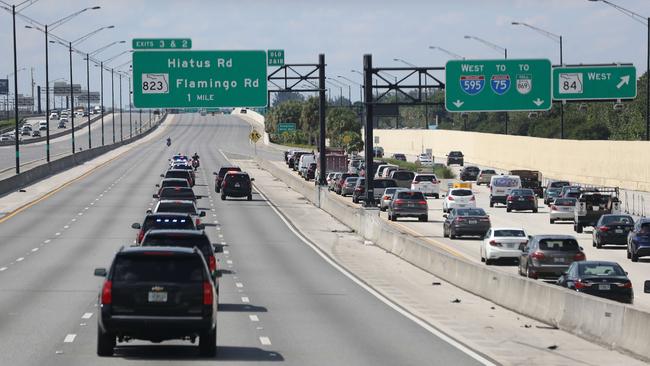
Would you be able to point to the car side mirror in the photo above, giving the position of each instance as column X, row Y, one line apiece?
column 158, row 185
column 135, row 225
column 646, row 287
column 100, row 272
column 252, row 179
column 581, row 248
column 445, row 216
column 215, row 173
column 200, row 227
column 198, row 197
column 162, row 176
column 218, row 248
column 155, row 196
column 530, row 237
column 202, row 213
column 149, row 211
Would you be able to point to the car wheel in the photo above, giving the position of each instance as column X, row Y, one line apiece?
column 250, row 197
column 529, row 273
column 508, row 209
column 444, row 233
column 436, row 196
column 491, row 204
column 208, row 343
column 423, row 218
column 105, row 343
column 551, row 221
column 634, row 257
column 534, row 210
column 394, row 217
column 598, row 244
column 489, row 262
column 452, row 234
column 223, row 197
column 355, row 200
column 577, row 228
column 593, row 242
column 216, row 189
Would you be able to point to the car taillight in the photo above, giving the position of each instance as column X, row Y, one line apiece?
column 627, row 284
column 207, row 293
column 386, row 197
column 451, row 198
column 494, row 243
column 530, row 198
column 510, row 198
column 140, row 235
column 538, row 255
column 579, row 284
column 213, row 263
column 603, row 229
column 553, row 208
column 198, row 222
column 399, row 201
column 460, row 219
column 580, row 256
column 473, row 198
column 107, row 292
column 422, row 202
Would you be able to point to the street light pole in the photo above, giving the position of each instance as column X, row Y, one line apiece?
column 17, row 148
column 101, row 86
column 113, row 102
column 121, row 124
column 90, row 144
column 71, row 98
column 452, row 54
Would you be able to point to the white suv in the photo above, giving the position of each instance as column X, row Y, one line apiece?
column 459, row 198
column 428, row 184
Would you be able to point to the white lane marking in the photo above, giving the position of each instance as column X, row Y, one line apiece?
column 66, row 227
column 3, row 269
column 46, row 241
column 85, row 208
column 265, row 341
column 229, row 261
column 96, row 199
column 214, row 215
column 226, row 252
column 92, row 203
column 73, row 220
column 221, row 235
column 20, row 259
column 87, row 316
column 239, row 284
column 69, row 338
column 57, row 234
column 34, row 249
column 245, row 299
column 253, row 318
column 80, row 214
column 428, row 327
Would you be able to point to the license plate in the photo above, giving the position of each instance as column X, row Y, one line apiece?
column 237, row 185
column 558, row 260
column 595, row 208
column 157, row 297
column 473, row 222
column 520, row 199
column 510, row 246
column 618, row 231
column 604, row 287
column 411, row 205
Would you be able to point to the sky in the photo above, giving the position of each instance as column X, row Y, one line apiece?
column 343, row 30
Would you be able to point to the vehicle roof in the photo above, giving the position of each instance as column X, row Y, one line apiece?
column 598, row 262
column 171, row 250
column 176, row 232
column 554, row 236
column 236, row 173
column 174, row 180
column 168, row 214
column 189, row 202
column 229, row 167
column 507, row 228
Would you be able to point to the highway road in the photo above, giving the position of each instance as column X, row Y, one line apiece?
column 61, row 146
column 279, row 300
column 533, row 223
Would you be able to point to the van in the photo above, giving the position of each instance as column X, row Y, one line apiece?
column 501, row 186
column 303, row 163
column 42, row 126
column 380, row 170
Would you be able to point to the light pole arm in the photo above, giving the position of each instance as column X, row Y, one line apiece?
column 90, row 34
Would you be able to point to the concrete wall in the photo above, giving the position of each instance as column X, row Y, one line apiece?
column 67, row 131
column 610, row 163
column 256, row 119
column 606, row 322
column 43, row 171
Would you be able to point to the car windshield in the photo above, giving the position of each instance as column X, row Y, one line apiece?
column 522, row 192
column 509, row 233
column 179, row 240
column 617, row 220
column 237, row 178
column 180, row 222
column 410, row 195
column 600, row 269
column 460, row 192
column 472, row 169
column 403, row 175
column 390, row 191
column 355, row 163
column 177, row 174
column 175, row 183
column 224, row 170
column 645, row 228
column 426, row 178
column 456, row 154
column 563, row 245
column 383, row 183
column 351, row 180
column 565, row 202
column 176, row 207
column 488, row 171
column 158, row 268
column 470, row 212
column 559, row 184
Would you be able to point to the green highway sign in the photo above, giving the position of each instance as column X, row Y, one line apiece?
column 161, row 43
column 596, row 82
column 286, row 127
column 276, row 57
column 497, row 85
column 199, row 79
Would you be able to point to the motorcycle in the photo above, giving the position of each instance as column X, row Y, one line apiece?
column 195, row 164
column 169, row 142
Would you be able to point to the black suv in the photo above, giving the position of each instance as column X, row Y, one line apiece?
column 157, row 294
column 222, row 173
column 455, row 157
column 176, row 193
column 469, row 173
column 167, row 220
column 237, row 184
column 179, row 173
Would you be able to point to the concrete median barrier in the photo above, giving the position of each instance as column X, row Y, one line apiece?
column 40, row 172
column 611, row 324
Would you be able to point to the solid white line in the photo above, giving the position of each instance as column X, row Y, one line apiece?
column 80, row 214
column 239, row 284
column 253, row 318
column 66, row 227
column 3, row 269
column 245, row 299
column 69, row 338
column 229, row 261
column 87, row 316
column 265, row 341
column 57, row 234
column 73, row 220
column 46, row 241
column 226, row 252
column 34, row 249
column 461, row 347
column 20, row 259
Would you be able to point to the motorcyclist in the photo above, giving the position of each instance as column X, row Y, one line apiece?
column 169, row 141
column 195, row 161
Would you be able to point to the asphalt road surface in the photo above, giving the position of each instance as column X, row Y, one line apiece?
column 280, row 302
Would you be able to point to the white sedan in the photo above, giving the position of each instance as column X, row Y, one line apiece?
column 502, row 243
column 459, row 198
column 424, row 160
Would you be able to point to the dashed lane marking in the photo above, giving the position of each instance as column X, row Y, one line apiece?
column 20, row 259
column 69, row 338
column 3, row 269
column 239, row 284
column 245, row 299
column 253, row 318
column 87, row 316
column 266, row 341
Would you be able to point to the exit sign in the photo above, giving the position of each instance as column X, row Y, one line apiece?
column 161, row 43
column 275, row 57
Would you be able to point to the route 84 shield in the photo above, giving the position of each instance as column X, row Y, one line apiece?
column 524, row 83
column 472, row 84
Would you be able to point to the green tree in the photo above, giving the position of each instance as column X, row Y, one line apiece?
column 309, row 119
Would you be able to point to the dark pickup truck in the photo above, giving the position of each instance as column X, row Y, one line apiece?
column 594, row 203
column 531, row 179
